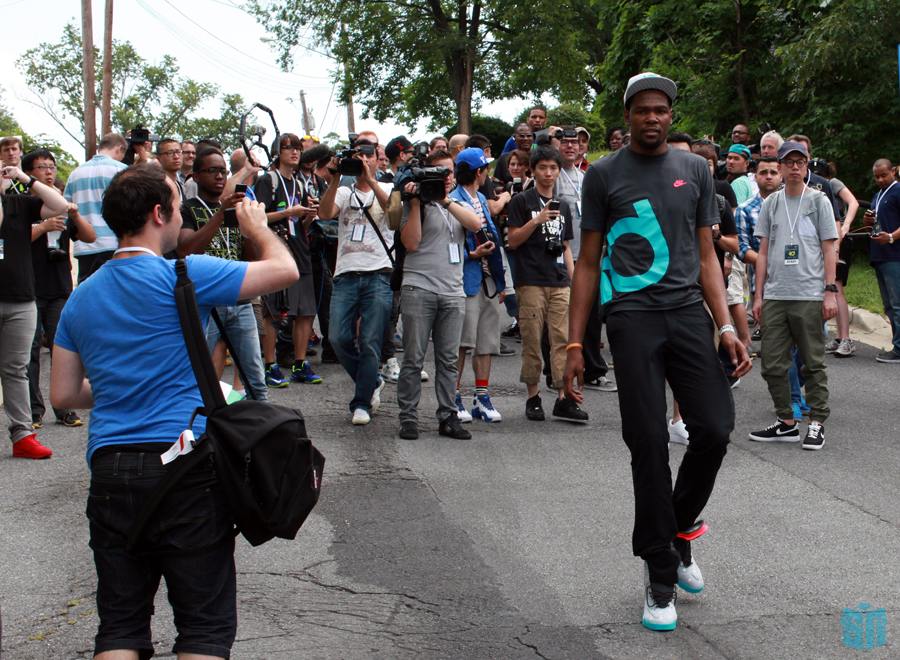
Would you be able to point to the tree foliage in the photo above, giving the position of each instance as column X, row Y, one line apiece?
column 154, row 95
column 10, row 126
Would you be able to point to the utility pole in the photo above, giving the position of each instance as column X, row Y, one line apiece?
column 106, row 92
column 351, row 121
column 306, row 127
column 90, row 115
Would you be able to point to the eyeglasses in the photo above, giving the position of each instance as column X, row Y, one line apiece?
column 188, row 153
column 790, row 163
column 45, row 168
column 286, row 148
column 214, row 171
column 310, row 137
column 740, row 133
column 524, row 135
column 171, row 152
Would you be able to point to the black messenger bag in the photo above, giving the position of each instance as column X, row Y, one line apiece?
column 269, row 471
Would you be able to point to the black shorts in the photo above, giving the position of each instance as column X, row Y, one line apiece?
column 202, row 587
column 301, row 299
column 842, row 272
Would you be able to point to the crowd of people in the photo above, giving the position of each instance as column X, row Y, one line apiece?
column 695, row 257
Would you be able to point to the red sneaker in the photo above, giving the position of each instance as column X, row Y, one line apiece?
column 29, row 447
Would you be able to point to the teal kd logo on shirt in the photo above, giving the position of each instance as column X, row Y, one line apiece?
column 864, row 628
column 647, row 226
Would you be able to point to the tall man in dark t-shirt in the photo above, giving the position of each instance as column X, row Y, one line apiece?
column 654, row 207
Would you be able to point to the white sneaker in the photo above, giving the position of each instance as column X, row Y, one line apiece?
column 690, row 578
column 390, row 372
column 462, row 414
column 659, row 606
column 376, row 396
column 482, row 408
column 360, row 417
column 846, row 349
column 678, row 432
column 832, row 345
column 424, row 376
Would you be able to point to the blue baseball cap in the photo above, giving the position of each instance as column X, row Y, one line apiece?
column 473, row 158
column 740, row 149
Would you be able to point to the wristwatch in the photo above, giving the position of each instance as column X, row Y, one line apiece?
column 449, row 202
column 890, row 238
column 726, row 328
column 32, row 181
column 831, row 287
column 717, row 236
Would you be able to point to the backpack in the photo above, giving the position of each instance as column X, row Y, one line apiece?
column 269, row 471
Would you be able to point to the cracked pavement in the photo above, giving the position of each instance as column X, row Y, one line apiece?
column 513, row 545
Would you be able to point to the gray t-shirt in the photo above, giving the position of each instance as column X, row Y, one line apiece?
column 649, row 209
column 568, row 187
column 428, row 267
column 804, row 280
column 840, row 206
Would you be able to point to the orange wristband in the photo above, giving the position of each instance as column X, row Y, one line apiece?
column 573, row 346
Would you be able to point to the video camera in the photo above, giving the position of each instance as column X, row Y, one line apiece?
column 429, row 180
column 140, row 135
column 350, row 166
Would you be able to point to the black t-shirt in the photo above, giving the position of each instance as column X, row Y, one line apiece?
column 501, row 169
column 279, row 200
column 648, row 208
column 727, row 226
column 724, row 188
column 535, row 265
column 226, row 244
column 53, row 278
column 487, row 189
column 16, row 273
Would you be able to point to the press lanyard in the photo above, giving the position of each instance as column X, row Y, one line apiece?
column 880, row 198
column 307, row 180
column 135, row 249
column 576, row 188
column 211, row 214
column 793, row 223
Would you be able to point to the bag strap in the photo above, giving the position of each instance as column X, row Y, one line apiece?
column 380, row 237
column 195, row 341
column 234, row 355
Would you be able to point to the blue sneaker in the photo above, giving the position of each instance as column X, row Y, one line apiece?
column 797, row 414
column 274, row 377
column 462, row 414
column 305, row 374
column 482, row 408
column 803, row 407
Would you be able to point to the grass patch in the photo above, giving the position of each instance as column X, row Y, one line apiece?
column 862, row 290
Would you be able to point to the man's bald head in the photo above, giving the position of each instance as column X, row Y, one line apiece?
column 458, row 143
column 882, row 163
column 238, row 160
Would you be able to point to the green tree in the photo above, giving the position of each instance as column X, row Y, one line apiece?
column 10, row 126
column 154, row 95
column 437, row 59
column 494, row 129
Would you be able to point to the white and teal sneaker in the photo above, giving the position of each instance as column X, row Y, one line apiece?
column 659, row 605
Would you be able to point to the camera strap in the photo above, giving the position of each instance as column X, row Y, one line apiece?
column 378, row 233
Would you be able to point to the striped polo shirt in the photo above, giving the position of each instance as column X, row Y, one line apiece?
column 85, row 188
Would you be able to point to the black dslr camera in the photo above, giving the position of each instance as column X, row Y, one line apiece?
column 350, row 166
column 57, row 256
column 139, row 135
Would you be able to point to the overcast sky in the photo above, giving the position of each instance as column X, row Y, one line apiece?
column 248, row 66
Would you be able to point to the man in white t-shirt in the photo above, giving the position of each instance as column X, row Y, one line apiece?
column 362, row 277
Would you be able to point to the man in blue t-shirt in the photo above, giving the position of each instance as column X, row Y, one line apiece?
column 654, row 208
column 125, row 313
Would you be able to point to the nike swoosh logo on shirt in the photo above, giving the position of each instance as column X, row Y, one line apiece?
column 679, row 183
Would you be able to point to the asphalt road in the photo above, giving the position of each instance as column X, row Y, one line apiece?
column 513, row 545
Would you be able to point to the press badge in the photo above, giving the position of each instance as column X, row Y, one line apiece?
column 184, row 445
column 454, row 253
column 1, row 248
column 358, row 232
column 291, row 230
column 578, row 208
column 791, row 255
column 561, row 259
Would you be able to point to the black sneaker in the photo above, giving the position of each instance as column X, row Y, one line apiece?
column 37, row 421
column 815, row 436
column 451, row 428
column 409, row 431
column 534, row 410
column 777, row 432
column 71, row 418
column 506, row 352
column 512, row 332
column 329, row 357
column 757, row 335
column 888, row 356
column 567, row 410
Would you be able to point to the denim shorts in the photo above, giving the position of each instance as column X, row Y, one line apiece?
column 201, row 585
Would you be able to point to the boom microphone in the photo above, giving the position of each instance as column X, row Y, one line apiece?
column 262, row 107
column 315, row 154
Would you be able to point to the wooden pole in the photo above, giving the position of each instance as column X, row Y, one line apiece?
column 106, row 93
column 306, row 128
column 87, row 68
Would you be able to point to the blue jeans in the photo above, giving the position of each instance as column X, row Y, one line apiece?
column 366, row 298
column 426, row 313
column 888, row 274
column 240, row 324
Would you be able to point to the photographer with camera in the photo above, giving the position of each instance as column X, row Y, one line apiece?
column 540, row 228
column 18, row 213
column 290, row 213
column 398, row 152
column 883, row 216
column 432, row 295
column 209, row 226
column 52, row 278
column 85, row 187
column 484, row 284
column 127, row 315
column 362, row 278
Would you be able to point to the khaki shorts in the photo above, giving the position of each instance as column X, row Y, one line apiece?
column 735, row 291
column 481, row 327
